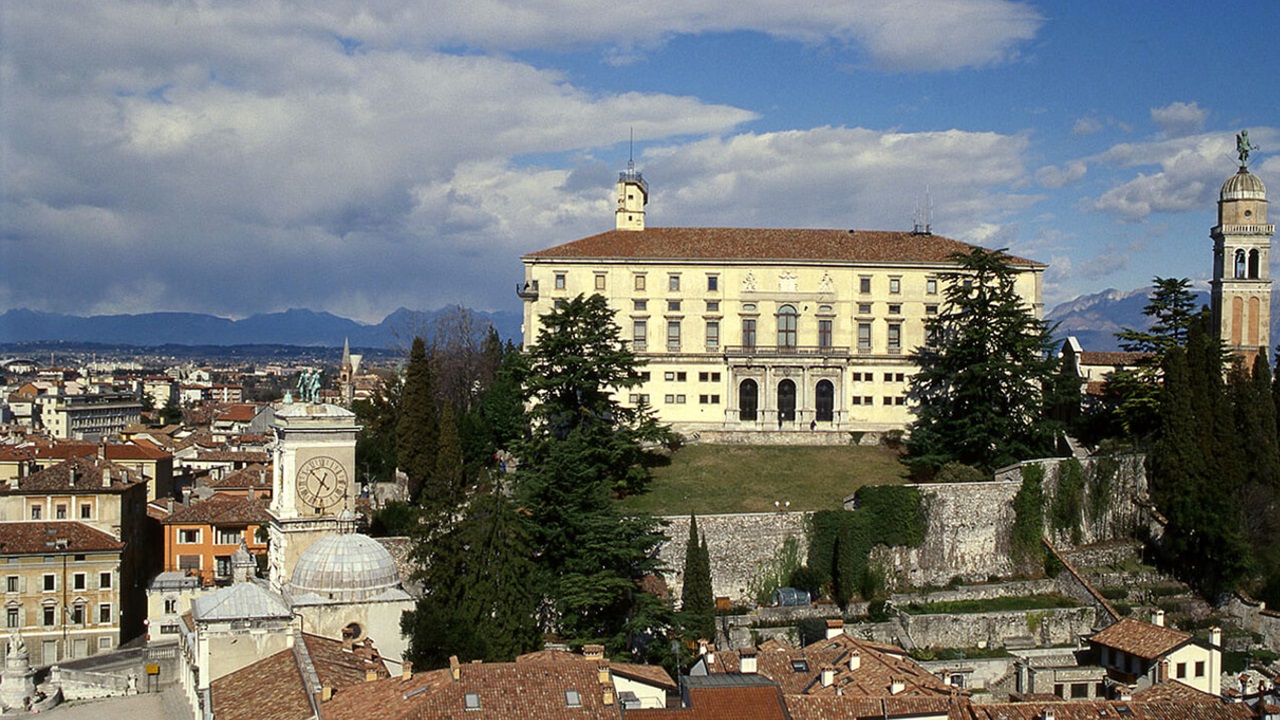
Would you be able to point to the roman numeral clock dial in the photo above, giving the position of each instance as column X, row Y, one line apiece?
column 322, row 483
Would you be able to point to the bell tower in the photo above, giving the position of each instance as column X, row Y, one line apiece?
column 1241, row 285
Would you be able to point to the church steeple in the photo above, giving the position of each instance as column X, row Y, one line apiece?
column 1241, row 286
column 633, row 195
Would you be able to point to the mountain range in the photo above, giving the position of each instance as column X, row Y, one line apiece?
column 291, row 327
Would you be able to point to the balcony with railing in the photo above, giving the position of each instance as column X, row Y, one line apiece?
column 528, row 290
column 787, row 350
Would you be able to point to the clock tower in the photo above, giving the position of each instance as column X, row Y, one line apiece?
column 1241, row 285
column 313, row 484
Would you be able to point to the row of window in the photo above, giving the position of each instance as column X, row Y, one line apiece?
column 787, row 335
column 221, row 536
column 870, row 377
column 60, row 511
column 713, row 306
column 49, row 582
column 681, row 376
column 76, row 615
column 888, row 400
column 640, row 282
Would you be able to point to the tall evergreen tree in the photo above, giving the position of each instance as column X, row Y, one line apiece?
column 980, row 392
column 1171, row 308
column 443, row 490
column 417, row 429
column 697, row 600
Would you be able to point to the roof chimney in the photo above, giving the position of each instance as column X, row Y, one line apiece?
column 747, row 661
column 828, row 675
column 406, row 670
column 603, row 676
column 1124, row 693
column 326, row 694
column 1157, row 617
column 370, row 675
column 1215, row 637
column 835, row 628
column 855, row 660
column 455, row 668
column 1048, row 714
column 896, row 686
column 593, row 652
column 608, row 695
column 106, row 475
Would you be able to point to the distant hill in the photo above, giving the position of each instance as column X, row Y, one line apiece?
column 1095, row 319
column 291, row 327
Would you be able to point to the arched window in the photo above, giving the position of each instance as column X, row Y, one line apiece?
column 1241, row 269
column 748, row 399
column 825, row 399
column 786, row 401
column 1253, row 264
column 787, row 326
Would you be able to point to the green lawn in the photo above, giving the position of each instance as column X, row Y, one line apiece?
column 965, row 607
column 708, row 479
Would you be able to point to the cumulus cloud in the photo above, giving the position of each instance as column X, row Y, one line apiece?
column 235, row 159
column 1086, row 126
column 1056, row 177
column 1179, row 118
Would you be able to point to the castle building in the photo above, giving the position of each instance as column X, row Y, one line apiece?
column 751, row 330
column 1241, row 286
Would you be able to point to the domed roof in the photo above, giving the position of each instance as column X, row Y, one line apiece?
column 1244, row 185
column 345, row 567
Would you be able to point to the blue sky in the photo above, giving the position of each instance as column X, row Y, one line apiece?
column 241, row 158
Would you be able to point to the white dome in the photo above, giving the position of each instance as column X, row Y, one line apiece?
column 345, row 567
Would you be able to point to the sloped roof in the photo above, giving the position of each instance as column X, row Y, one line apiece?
column 270, row 689
column 79, row 474
column 1114, row 359
column 1142, row 639
column 1174, row 691
column 755, row 701
column 1111, row 709
column 654, row 675
column 221, row 509
column 255, row 476
column 834, row 707
column 861, row 246
column 241, row 601
column 240, row 412
column 45, row 538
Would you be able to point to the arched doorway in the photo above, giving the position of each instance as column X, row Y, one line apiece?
column 786, row 401
column 748, row 400
column 825, row 399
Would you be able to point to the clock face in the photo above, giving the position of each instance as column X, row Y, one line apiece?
column 322, row 483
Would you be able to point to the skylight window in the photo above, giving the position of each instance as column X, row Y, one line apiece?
column 472, row 700
column 572, row 699
column 800, row 666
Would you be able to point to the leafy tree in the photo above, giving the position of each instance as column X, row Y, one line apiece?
column 697, row 600
column 481, row 599
column 417, row 429
column 395, row 519
column 980, row 393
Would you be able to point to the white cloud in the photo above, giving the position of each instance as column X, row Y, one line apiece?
column 1178, row 118
column 1055, row 177
column 1086, row 126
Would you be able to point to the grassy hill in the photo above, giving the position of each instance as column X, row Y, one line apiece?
column 708, row 479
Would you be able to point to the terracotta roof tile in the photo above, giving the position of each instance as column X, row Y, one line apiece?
column 254, row 476
column 834, row 707
column 221, row 509
column 743, row 702
column 1174, row 691
column 1139, row 638
column 53, row 536
column 246, row 456
column 1114, row 359
column 270, row 689
column 654, row 675
column 78, row 473
column 1096, row 709
column 238, row 413
column 869, row 246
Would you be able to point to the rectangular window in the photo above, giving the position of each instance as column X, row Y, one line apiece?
column 864, row 337
column 713, row 306
column 673, row 306
column 639, row 282
column 895, row 338
column 104, row 613
column 749, row 332
column 187, row 536
column 229, row 536
column 11, row 618
column 50, row 583
column 888, row 400
column 824, row 333
column 644, row 376
column 104, row 581
column 930, row 309
column 669, row 376
column 1079, row 691
column 11, row 583
column 682, row 376
column 77, row 614
column 703, row 377
column 864, row 284
column 669, row 399
column 1199, row 668
column 888, row 377
column 188, row 562
column 60, row 512
column 680, row 399
column 1181, row 670
column 673, row 336
column 931, row 286
column 709, row 399
column 713, row 283
column 48, row 614
column 79, row 581
column 640, row 334
column 560, row 281
column 222, row 566
column 857, row 399
column 895, row 309
column 640, row 305
column 86, row 511
column 864, row 308
column 895, row 285
column 35, row 512
column 673, row 282
column 599, row 282
column 713, row 335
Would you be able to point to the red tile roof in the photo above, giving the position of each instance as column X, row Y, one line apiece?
column 1143, row 639
column 242, row 413
column 653, row 675
column 79, row 474
column 862, row 246
column 1114, row 359
column 54, row 536
column 835, row 707
column 1174, row 691
column 221, row 509
column 270, row 689
column 751, row 702
column 1101, row 710
column 253, row 476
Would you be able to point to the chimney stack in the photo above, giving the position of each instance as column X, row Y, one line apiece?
column 835, row 628
column 406, row 670
column 603, row 676
column 608, row 695
column 370, row 675
column 1157, row 617
column 1215, row 637
column 455, row 668
column 828, row 675
column 747, row 661
column 855, row 660
column 896, row 686
column 593, row 652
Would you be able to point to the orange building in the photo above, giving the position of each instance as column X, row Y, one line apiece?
column 200, row 538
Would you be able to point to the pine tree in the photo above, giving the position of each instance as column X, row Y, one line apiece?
column 443, row 491
column 980, row 392
column 417, row 429
column 697, row 600
column 1172, row 309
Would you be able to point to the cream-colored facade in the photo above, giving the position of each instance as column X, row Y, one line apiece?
column 1241, row 287
column 758, row 329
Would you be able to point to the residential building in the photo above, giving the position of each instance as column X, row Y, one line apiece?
column 62, row 588
column 200, row 538
column 148, row 460
column 1140, row 654
column 94, row 416
column 747, row 329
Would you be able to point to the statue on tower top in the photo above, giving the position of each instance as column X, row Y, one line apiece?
column 1243, row 147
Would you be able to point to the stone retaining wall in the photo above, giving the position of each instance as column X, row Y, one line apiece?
column 741, row 547
column 1051, row 626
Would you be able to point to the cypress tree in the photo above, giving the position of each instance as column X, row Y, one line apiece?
column 443, row 491
column 697, row 600
column 417, row 429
